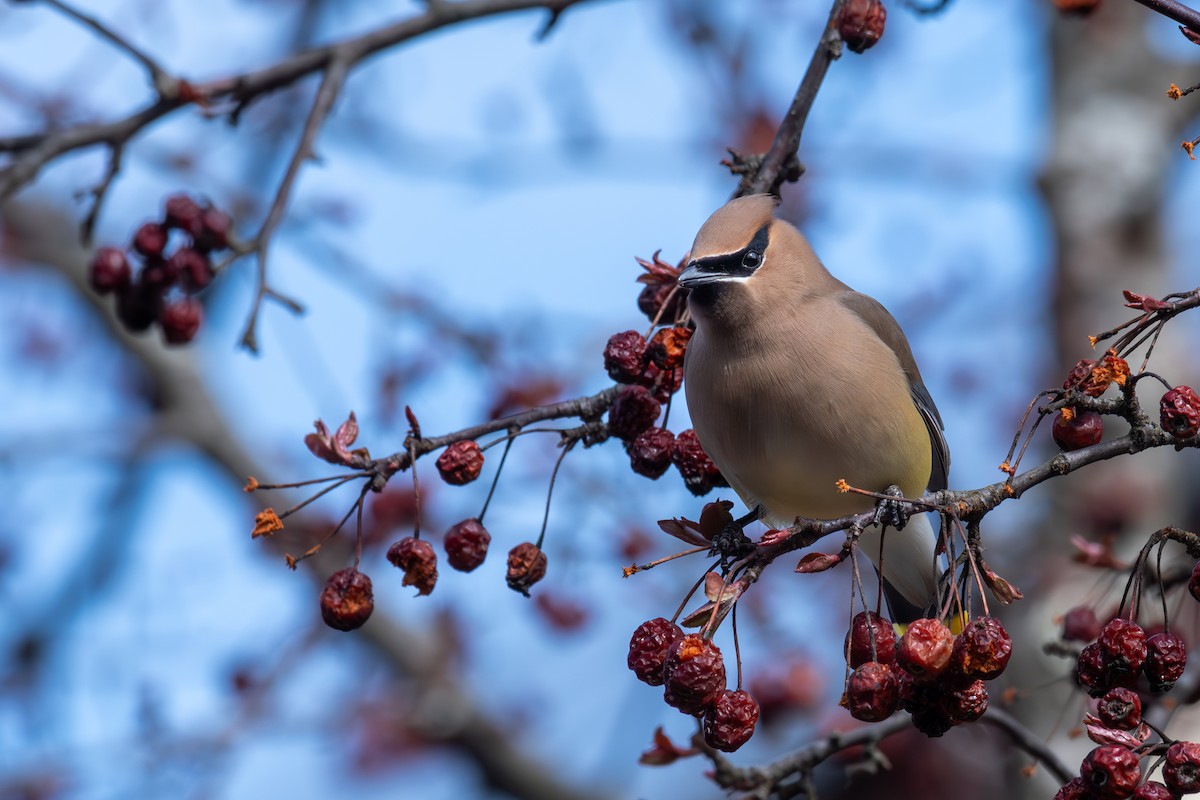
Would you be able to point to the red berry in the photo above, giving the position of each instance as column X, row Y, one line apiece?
column 1083, row 429
column 1166, row 658
column 419, row 562
column 1091, row 670
column 650, row 453
column 526, row 566
column 693, row 674
column 460, row 463
column 918, row 695
column 158, row 274
column 1110, row 771
column 1120, row 708
column 933, row 720
column 633, row 411
column 466, row 544
column 699, row 472
column 1074, row 789
column 967, row 704
column 872, row 692
column 138, row 306
column 1124, row 644
column 661, row 383
column 109, row 270
column 347, row 600
column 729, row 723
column 1181, row 771
column 982, row 650
column 1080, row 625
column 1084, row 378
column 648, row 649
column 668, row 346
column 625, row 356
column 212, row 232
column 1179, row 412
column 1152, row 790
column 180, row 320
column 191, row 265
column 870, row 638
column 1194, row 583
column 182, row 212
column 860, row 23
column 150, row 239
column 653, row 298
column 925, row 648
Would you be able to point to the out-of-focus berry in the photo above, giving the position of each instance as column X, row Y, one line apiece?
column 653, row 298
column 967, row 704
column 137, row 307
column 1120, row 708
column 1152, row 790
column 1124, row 644
column 1091, row 670
column 1110, row 771
column 625, row 356
column 1074, row 789
column 466, row 544
column 109, row 270
column 700, row 474
column 873, row 692
column 212, row 233
column 932, row 720
column 150, row 239
column 182, row 212
column 730, row 722
column 870, row 638
column 648, row 649
column 982, row 650
column 418, row 561
column 347, row 600
column 1166, row 658
column 650, row 453
column 1080, row 625
column 693, row 674
column 526, row 566
column 860, row 23
column 633, row 411
column 667, row 347
column 925, row 648
column 1179, row 412
column 181, row 319
column 157, row 274
column 1083, row 429
column 460, row 463
column 192, row 266
column 1181, row 771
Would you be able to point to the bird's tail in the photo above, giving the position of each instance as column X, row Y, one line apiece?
column 906, row 560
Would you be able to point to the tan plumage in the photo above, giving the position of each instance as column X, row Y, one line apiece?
column 794, row 380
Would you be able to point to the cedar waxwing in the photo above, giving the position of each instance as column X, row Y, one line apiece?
column 794, row 380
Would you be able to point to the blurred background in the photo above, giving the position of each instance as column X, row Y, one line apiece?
column 994, row 173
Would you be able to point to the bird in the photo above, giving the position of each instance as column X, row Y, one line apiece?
column 795, row 381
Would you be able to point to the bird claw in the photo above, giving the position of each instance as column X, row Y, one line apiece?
column 892, row 512
column 732, row 543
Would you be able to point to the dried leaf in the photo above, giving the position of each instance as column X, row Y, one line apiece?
column 1004, row 591
column 818, row 562
column 266, row 523
column 1102, row 735
column 714, row 518
column 685, row 530
column 664, row 751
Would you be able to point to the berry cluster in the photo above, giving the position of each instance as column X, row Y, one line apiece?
column 691, row 671
column 932, row 674
column 651, row 371
column 163, row 289
column 1123, row 652
column 1113, row 772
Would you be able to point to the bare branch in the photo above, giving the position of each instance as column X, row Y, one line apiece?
column 1025, row 739
column 1171, row 9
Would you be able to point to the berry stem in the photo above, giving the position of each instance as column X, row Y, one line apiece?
column 737, row 648
column 496, row 478
column 416, row 491
column 340, row 481
column 550, row 492
column 358, row 537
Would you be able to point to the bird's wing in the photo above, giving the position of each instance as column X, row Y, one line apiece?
column 888, row 330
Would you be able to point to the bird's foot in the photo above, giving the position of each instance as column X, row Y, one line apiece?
column 892, row 512
column 732, row 543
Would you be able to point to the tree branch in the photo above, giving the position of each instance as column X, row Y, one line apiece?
column 1171, row 9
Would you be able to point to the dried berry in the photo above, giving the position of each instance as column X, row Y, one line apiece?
column 419, row 562
column 652, row 301
column 625, row 356
column 1152, row 790
column 700, row 474
column 925, row 648
column 180, row 320
column 870, row 638
column 212, row 233
column 1179, row 412
column 1084, row 378
column 460, row 463
column 648, row 649
column 526, row 566
column 1080, row 625
column 1124, row 644
column 138, row 306
column 633, row 411
column 1181, row 771
column 1091, row 670
column 109, row 270
column 917, row 695
column 872, row 692
column 693, row 674
column 347, row 600
column 182, row 212
column 157, row 274
column 1083, row 429
column 1194, row 583
column 730, row 722
column 1110, row 771
column 466, row 544
column 668, row 346
column 1120, row 708
column 860, row 23
column 192, row 266
column 982, row 650
column 1166, row 658
column 933, row 721
column 967, row 704
column 661, row 383
column 150, row 239
column 650, row 453
column 1074, row 789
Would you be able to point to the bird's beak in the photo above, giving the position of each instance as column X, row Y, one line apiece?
column 694, row 275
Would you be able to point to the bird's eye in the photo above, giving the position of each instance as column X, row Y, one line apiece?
column 752, row 259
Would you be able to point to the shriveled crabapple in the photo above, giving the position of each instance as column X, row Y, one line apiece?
column 418, row 561
column 466, row 544
column 870, row 638
column 1083, row 429
column 1120, row 708
column 347, row 600
column 872, row 692
column 460, row 463
column 729, row 722
column 925, row 648
column 650, row 452
column 700, row 474
column 1179, row 412
column 967, row 704
column 693, row 674
column 526, row 566
column 1153, row 790
column 982, row 650
column 1110, row 771
column 667, row 347
column 1091, row 670
column 1181, row 770
column 648, row 649
column 1124, row 644
column 1074, row 789
column 633, row 411
column 1166, row 658
column 109, row 270
column 625, row 356
column 860, row 23
column 1080, row 625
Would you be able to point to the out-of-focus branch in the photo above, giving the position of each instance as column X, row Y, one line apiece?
column 1171, row 9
